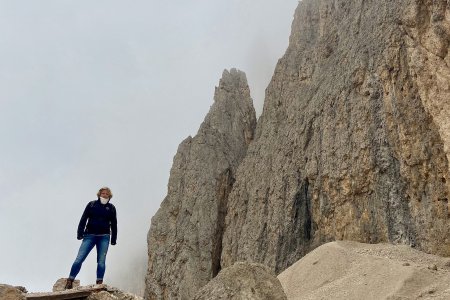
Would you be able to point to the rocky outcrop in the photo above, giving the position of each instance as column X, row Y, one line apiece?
column 89, row 292
column 185, row 237
column 346, row 270
column 112, row 293
column 353, row 142
column 60, row 284
column 243, row 281
column 8, row 292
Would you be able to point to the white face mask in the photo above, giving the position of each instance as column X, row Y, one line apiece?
column 104, row 200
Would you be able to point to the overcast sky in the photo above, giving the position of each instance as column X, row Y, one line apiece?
column 96, row 93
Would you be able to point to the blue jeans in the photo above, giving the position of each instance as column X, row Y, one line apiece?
column 89, row 241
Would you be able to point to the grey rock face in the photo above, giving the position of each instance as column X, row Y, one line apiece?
column 243, row 281
column 185, row 237
column 353, row 142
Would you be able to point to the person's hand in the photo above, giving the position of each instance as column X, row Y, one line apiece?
column 79, row 237
column 113, row 243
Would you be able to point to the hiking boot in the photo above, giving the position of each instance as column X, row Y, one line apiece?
column 99, row 282
column 69, row 284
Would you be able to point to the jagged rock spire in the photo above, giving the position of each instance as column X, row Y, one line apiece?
column 185, row 237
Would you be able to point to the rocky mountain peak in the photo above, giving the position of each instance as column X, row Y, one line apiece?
column 185, row 237
column 353, row 144
column 232, row 114
column 234, row 80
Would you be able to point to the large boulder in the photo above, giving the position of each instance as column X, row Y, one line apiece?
column 243, row 281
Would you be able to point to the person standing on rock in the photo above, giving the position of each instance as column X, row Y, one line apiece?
column 100, row 216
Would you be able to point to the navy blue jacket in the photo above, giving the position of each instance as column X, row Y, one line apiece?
column 100, row 218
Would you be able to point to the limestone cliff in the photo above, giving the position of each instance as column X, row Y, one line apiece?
column 353, row 143
column 185, row 238
column 354, row 139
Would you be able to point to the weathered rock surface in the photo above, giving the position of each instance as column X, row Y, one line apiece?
column 354, row 271
column 89, row 292
column 353, row 142
column 8, row 292
column 185, row 237
column 61, row 283
column 243, row 281
column 113, row 294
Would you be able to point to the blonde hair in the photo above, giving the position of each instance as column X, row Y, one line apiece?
column 105, row 188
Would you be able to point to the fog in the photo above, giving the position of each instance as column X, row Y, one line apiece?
column 100, row 93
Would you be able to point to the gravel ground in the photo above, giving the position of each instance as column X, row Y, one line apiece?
column 351, row 270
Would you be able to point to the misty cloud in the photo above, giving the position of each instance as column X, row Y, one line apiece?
column 101, row 93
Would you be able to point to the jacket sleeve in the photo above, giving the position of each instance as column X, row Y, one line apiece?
column 82, row 224
column 114, row 227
